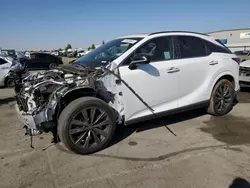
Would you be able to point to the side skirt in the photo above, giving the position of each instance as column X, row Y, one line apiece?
column 169, row 112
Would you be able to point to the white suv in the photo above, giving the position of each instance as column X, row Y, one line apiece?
column 147, row 76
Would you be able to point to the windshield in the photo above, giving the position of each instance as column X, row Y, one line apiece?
column 107, row 52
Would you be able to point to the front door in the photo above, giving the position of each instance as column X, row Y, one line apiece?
column 156, row 83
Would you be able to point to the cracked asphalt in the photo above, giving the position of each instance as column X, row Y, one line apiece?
column 190, row 149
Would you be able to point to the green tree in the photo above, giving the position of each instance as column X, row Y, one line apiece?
column 89, row 48
column 68, row 47
column 93, row 46
column 103, row 42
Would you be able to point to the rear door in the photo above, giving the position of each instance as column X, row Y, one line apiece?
column 192, row 59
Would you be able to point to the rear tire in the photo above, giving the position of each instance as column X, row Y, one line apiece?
column 222, row 98
column 86, row 125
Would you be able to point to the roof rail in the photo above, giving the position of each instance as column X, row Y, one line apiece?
column 178, row 32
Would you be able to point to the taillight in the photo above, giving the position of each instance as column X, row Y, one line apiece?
column 237, row 60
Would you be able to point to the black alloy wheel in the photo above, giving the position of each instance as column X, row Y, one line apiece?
column 86, row 125
column 222, row 98
column 89, row 127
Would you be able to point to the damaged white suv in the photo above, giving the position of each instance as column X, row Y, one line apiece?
column 126, row 80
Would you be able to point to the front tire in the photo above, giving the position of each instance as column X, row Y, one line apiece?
column 222, row 98
column 86, row 125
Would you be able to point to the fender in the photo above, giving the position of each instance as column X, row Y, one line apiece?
column 61, row 93
column 217, row 78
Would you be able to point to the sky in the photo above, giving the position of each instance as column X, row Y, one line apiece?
column 52, row 24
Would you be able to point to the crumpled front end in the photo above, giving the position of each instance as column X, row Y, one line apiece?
column 44, row 94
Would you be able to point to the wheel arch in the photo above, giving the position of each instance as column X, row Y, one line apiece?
column 76, row 93
column 228, row 76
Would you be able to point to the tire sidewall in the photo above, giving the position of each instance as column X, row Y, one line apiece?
column 229, row 106
column 71, row 111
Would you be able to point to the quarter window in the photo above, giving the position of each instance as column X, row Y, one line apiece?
column 189, row 47
column 216, row 48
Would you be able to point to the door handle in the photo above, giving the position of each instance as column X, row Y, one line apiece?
column 173, row 70
column 213, row 63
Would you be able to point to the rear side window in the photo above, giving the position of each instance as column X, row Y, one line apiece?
column 216, row 48
column 2, row 61
column 51, row 58
column 189, row 47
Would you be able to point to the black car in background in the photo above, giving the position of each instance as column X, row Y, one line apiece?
column 41, row 61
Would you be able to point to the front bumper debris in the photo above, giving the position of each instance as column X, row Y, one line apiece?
column 25, row 119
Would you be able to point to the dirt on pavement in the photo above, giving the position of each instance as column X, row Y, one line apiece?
column 191, row 149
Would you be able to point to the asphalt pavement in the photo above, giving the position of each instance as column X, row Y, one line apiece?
column 190, row 149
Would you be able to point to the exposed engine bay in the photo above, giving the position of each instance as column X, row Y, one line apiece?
column 41, row 96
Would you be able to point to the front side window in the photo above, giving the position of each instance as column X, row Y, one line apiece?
column 107, row 52
column 157, row 49
column 189, row 47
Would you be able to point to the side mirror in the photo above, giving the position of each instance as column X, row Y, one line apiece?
column 138, row 59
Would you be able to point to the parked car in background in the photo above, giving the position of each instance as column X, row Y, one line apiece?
column 80, row 53
column 55, row 53
column 39, row 61
column 5, row 64
column 245, row 74
column 9, row 52
column 243, row 55
column 27, row 54
column 72, row 54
